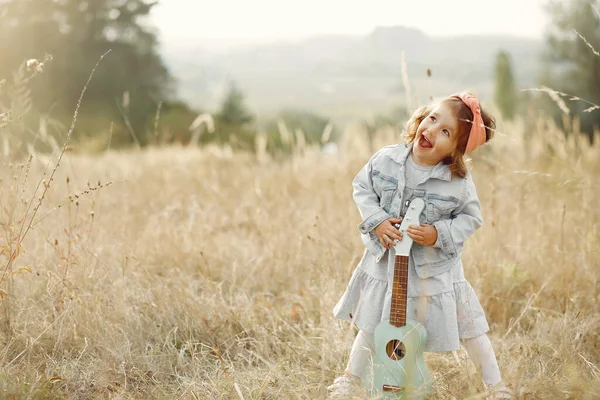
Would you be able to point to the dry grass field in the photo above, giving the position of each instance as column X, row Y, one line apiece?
column 206, row 274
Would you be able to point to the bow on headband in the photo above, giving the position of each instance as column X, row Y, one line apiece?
column 477, row 135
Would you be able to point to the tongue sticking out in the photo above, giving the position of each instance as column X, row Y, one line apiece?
column 424, row 143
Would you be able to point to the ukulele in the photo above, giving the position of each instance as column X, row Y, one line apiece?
column 398, row 370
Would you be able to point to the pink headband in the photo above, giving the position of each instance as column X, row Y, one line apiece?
column 477, row 135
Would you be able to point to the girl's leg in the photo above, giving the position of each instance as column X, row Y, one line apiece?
column 482, row 354
column 361, row 353
column 360, row 356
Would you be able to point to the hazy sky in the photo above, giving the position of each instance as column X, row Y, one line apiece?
column 268, row 20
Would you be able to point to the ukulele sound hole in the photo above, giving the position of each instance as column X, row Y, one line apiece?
column 395, row 350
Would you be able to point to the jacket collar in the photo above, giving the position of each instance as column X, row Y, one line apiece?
column 441, row 170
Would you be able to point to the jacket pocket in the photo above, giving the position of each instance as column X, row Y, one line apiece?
column 431, row 261
column 440, row 207
column 385, row 186
column 428, row 255
column 427, row 271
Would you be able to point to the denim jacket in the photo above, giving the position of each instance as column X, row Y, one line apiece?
column 451, row 205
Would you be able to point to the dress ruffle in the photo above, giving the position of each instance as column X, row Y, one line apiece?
column 447, row 317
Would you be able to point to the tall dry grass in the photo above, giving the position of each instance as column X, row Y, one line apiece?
column 204, row 274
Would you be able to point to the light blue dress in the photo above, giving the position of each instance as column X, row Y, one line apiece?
column 445, row 304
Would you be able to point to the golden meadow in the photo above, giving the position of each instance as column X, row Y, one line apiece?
column 185, row 272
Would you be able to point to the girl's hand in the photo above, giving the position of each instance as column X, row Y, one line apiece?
column 387, row 233
column 424, row 234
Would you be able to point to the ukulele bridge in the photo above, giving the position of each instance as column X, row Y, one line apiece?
column 392, row 388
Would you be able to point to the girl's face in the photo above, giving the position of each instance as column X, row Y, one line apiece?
column 436, row 136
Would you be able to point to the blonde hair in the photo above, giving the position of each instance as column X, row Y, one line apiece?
column 464, row 116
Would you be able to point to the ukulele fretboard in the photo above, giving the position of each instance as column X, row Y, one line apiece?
column 399, row 292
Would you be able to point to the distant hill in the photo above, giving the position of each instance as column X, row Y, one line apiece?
column 348, row 76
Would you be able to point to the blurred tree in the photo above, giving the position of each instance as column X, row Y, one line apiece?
column 233, row 110
column 573, row 66
column 283, row 131
column 506, row 97
column 233, row 122
column 129, row 84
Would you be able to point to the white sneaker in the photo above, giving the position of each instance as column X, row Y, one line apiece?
column 498, row 392
column 343, row 386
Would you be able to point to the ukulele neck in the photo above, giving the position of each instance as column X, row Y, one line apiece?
column 399, row 291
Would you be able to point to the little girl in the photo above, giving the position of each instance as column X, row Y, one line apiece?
column 430, row 166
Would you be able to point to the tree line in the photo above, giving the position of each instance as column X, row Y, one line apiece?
column 132, row 97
